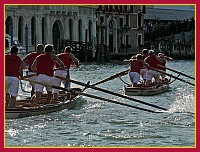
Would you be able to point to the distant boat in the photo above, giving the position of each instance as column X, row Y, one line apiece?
column 142, row 90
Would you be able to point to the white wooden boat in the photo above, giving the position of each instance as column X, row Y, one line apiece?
column 27, row 107
column 142, row 90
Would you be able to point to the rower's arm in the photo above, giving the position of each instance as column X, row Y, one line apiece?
column 163, row 60
column 59, row 61
column 145, row 64
column 74, row 59
column 21, row 69
column 34, row 65
column 25, row 59
column 127, row 61
column 168, row 58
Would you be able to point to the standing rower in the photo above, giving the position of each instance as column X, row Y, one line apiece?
column 152, row 60
column 13, row 71
column 67, row 57
column 44, row 66
column 144, row 69
column 135, row 67
column 163, row 64
column 30, row 59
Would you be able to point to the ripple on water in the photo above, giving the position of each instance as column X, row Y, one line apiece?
column 92, row 122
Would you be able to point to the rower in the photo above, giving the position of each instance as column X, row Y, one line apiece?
column 144, row 69
column 13, row 71
column 152, row 60
column 135, row 67
column 44, row 65
column 163, row 64
column 67, row 57
column 30, row 58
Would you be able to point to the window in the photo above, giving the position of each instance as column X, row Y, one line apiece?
column 90, row 31
column 127, row 19
column 139, row 19
column 70, row 29
column 80, row 30
column 33, row 34
column 121, row 22
column 139, row 39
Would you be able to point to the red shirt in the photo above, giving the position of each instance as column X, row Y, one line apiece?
column 12, row 65
column 65, row 58
column 144, row 56
column 136, row 65
column 163, row 64
column 31, row 58
column 152, row 61
column 45, row 65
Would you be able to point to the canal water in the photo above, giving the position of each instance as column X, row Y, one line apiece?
column 97, row 123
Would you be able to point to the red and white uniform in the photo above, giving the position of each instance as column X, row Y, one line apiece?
column 153, row 62
column 12, row 65
column 162, row 69
column 45, row 66
column 31, row 58
column 134, row 72
column 65, row 58
column 144, row 70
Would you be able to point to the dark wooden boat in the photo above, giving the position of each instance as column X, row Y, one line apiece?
column 27, row 107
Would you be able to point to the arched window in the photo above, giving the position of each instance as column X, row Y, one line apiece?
column 90, row 31
column 43, row 28
column 71, row 29
column 20, row 29
column 80, row 30
column 33, row 34
column 56, row 35
column 9, row 25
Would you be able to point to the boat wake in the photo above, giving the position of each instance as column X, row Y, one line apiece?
column 183, row 104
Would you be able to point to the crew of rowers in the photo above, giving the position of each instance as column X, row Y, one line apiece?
column 44, row 64
column 146, row 66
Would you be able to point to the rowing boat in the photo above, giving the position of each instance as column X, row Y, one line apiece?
column 142, row 90
column 27, row 107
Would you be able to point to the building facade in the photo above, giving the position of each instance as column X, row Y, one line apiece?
column 119, row 27
column 50, row 24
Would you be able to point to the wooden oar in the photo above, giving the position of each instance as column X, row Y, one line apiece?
column 112, row 101
column 23, row 88
column 177, row 72
column 31, row 75
column 89, row 95
column 109, row 92
column 112, row 77
column 171, row 76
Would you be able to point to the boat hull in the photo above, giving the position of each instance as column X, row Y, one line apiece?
column 145, row 91
column 26, row 111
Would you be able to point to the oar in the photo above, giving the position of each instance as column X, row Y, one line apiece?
column 27, row 76
column 23, row 88
column 109, row 92
column 171, row 75
column 89, row 95
column 31, row 75
column 177, row 72
column 112, row 101
column 112, row 77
